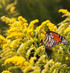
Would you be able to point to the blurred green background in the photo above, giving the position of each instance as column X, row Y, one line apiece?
column 33, row 9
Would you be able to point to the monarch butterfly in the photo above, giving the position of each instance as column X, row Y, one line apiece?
column 52, row 39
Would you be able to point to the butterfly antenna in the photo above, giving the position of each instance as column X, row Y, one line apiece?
column 48, row 29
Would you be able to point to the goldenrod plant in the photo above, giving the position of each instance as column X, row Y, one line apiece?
column 7, row 8
column 22, row 51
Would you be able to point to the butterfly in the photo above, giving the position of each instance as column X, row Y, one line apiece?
column 52, row 39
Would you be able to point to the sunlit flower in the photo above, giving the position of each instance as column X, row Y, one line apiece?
column 17, row 60
column 13, row 29
column 42, row 26
column 51, row 26
column 21, row 19
column 64, row 11
column 31, row 25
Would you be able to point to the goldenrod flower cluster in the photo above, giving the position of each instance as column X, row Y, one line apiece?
column 6, row 71
column 63, row 11
column 22, row 50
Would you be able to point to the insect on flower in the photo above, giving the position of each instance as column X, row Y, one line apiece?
column 52, row 39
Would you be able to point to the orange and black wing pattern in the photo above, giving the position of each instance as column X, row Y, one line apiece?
column 56, row 37
column 59, row 39
column 52, row 39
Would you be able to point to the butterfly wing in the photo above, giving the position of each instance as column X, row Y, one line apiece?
column 64, row 41
column 49, row 41
column 59, row 39
column 56, row 38
column 52, row 39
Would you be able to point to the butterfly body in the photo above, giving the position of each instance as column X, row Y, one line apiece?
column 52, row 39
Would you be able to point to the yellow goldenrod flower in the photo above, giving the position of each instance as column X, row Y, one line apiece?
column 35, row 39
column 37, row 70
column 13, row 30
column 6, row 71
column 40, row 51
column 32, row 60
column 17, row 60
column 15, row 35
column 27, row 69
column 67, row 30
column 42, row 26
column 24, row 47
column 12, row 9
column 6, row 51
column 13, row 19
column 55, row 70
column 46, row 67
column 31, row 25
column 21, row 19
column 40, row 60
column 51, row 26
column 67, row 58
column 32, row 47
column 57, row 64
column 2, row 39
column 6, row 19
column 64, row 11
column 42, row 35
column 15, row 43
column 30, row 32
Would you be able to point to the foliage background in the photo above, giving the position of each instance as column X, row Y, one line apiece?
column 33, row 9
